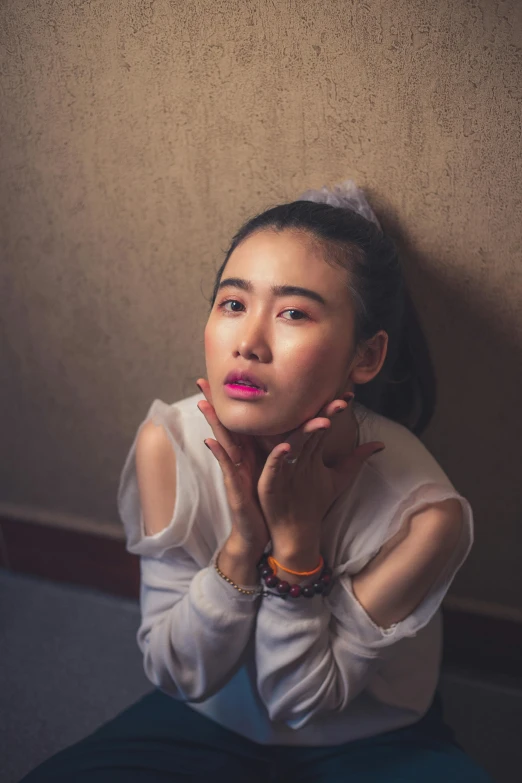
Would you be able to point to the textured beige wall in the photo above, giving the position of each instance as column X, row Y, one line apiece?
column 135, row 139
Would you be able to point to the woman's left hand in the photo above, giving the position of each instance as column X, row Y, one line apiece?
column 296, row 497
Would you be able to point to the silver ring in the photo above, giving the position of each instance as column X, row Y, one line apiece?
column 291, row 460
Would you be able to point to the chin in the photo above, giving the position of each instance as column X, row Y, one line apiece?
column 243, row 425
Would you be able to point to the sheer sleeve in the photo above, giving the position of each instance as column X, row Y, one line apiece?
column 188, row 497
column 194, row 625
column 315, row 656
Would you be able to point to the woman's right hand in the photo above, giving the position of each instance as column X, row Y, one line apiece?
column 250, row 533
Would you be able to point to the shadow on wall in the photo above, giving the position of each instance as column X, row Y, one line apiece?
column 478, row 366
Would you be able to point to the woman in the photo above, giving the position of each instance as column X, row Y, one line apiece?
column 292, row 574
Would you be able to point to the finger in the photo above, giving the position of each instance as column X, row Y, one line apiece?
column 331, row 407
column 233, row 486
column 230, row 473
column 308, row 440
column 204, row 387
column 222, row 456
column 274, row 465
column 353, row 462
column 221, row 433
column 301, row 435
column 314, row 444
column 367, row 450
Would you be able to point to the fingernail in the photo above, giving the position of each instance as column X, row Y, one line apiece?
column 339, row 409
column 349, row 397
column 206, row 444
column 199, row 387
column 378, row 450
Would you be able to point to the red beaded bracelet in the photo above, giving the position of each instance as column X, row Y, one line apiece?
column 322, row 585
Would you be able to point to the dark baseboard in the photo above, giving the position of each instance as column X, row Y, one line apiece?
column 69, row 556
column 482, row 643
column 476, row 642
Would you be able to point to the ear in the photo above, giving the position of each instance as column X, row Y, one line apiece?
column 370, row 358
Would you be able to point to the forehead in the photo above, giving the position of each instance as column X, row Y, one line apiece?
column 288, row 257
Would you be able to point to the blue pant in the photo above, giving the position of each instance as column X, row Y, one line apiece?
column 161, row 740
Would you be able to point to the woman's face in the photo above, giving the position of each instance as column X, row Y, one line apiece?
column 298, row 346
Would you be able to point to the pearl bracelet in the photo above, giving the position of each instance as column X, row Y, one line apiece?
column 322, row 585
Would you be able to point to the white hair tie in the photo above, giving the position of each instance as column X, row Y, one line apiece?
column 346, row 195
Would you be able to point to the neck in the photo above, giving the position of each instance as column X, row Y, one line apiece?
column 338, row 443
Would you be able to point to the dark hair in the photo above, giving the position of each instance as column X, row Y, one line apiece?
column 405, row 388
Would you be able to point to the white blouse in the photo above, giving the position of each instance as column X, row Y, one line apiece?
column 314, row 671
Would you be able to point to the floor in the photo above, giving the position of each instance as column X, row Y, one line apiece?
column 70, row 662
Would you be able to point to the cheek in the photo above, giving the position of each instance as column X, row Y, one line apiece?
column 211, row 342
column 315, row 374
column 310, row 366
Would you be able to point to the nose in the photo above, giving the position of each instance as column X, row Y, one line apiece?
column 252, row 339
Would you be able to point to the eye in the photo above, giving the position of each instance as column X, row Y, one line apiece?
column 221, row 306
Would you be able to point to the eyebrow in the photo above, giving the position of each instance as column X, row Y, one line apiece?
column 276, row 290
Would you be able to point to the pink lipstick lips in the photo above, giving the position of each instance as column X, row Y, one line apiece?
column 241, row 392
column 242, row 385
